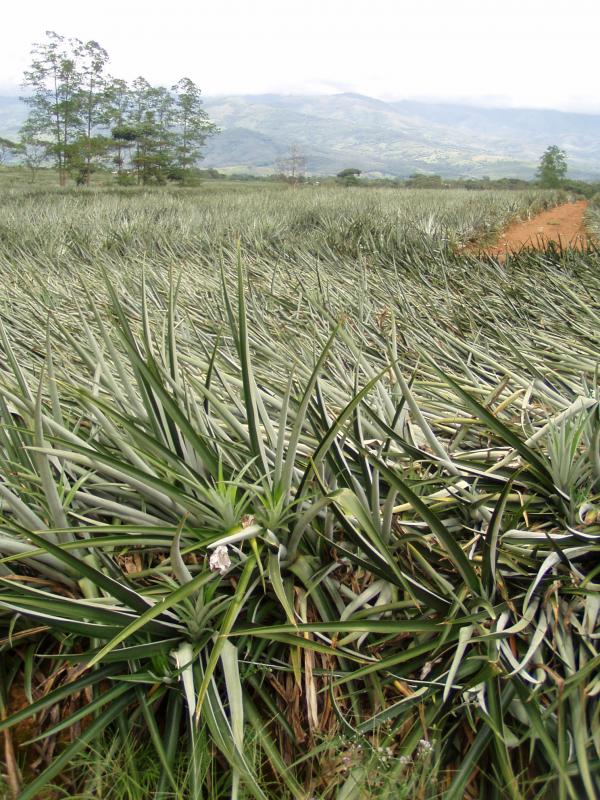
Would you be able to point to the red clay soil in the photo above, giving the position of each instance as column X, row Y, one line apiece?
column 562, row 224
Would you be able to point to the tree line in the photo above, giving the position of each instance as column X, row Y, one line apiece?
column 82, row 119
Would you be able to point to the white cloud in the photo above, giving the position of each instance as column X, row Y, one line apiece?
column 521, row 52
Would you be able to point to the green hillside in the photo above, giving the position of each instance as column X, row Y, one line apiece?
column 384, row 138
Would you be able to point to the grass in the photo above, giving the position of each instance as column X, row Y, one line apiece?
column 398, row 448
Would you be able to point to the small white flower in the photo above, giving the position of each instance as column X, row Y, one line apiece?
column 219, row 560
column 424, row 748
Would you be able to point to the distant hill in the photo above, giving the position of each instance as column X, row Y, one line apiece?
column 384, row 138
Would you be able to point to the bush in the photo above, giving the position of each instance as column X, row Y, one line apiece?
column 126, row 179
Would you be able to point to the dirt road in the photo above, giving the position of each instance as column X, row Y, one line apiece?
column 563, row 224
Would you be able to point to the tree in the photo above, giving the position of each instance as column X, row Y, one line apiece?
column 293, row 166
column 552, row 168
column 149, row 127
column 349, row 172
column 193, row 124
column 166, row 127
column 116, row 116
column 93, row 60
column 55, row 113
column 34, row 153
column 349, row 176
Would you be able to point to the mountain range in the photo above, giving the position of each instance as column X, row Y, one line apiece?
column 384, row 138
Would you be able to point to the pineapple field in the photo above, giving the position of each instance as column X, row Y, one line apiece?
column 299, row 498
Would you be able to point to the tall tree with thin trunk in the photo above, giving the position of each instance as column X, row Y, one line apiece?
column 116, row 116
column 92, row 63
column 55, row 99
column 148, row 108
column 193, row 124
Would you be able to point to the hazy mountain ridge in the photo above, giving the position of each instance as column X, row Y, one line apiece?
column 384, row 138
column 397, row 138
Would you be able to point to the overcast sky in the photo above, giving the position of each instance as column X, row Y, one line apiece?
column 539, row 53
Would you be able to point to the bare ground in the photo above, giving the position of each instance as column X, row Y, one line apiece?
column 563, row 224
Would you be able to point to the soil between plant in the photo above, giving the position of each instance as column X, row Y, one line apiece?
column 564, row 224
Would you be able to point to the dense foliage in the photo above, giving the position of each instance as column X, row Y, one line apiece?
column 552, row 169
column 297, row 500
column 81, row 117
